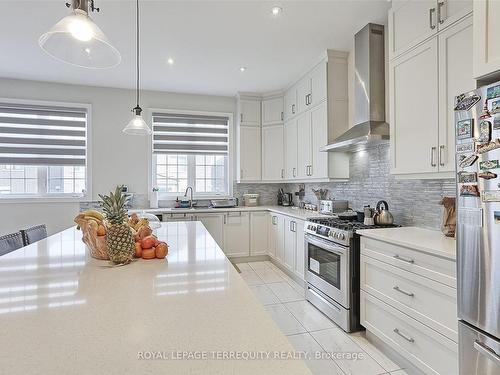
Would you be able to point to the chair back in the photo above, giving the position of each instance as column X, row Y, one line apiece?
column 10, row 242
column 34, row 234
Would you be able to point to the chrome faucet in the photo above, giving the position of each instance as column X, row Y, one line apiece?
column 190, row 199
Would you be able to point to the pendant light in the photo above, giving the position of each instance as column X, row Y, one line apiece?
column 137, row 126
column 77, row 40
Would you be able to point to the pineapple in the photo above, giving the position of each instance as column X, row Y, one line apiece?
column 119, row 239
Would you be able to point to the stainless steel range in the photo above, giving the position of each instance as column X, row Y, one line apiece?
column 332, row 268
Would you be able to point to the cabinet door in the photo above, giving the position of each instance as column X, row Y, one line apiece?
column 272, row 234
column 318, row 84
column 272, row 153
column 303, row 91
column 280, row 238
column 300, row 250
column 258, row 233
column 414, row 110
column 291, row 147
column 486, row 49
column 272, row 111
column 214, row 223
column 450, row 11
column 290, row 102
column 176, row 217
column 290, row 243
column 319, row 138
column 410, row 22
column 304, row 145
column 250, row 153
column 455, row 77
column 249, row 112
column 236, row 234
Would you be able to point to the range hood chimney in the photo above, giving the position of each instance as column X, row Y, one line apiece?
column 370, row 128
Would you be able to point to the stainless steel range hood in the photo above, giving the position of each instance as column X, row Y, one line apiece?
column 370, row 128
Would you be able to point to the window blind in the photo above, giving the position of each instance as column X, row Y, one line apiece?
column 190, row 134
column 42, row 135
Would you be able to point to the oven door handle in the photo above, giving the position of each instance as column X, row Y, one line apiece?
column 325, row 245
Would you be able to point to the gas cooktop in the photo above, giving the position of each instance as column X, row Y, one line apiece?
column 345, row 224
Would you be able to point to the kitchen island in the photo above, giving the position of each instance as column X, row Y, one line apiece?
column 63, row 312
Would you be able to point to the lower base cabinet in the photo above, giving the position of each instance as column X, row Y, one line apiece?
column 236, row 234
column 258, row 233
column 214, row 224
column 292, row 252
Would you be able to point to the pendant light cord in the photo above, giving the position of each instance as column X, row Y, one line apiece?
column 137, row 8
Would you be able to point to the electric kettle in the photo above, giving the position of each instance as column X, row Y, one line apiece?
column 383, row 216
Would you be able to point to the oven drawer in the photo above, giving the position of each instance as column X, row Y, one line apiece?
column 428, row 301
column 425, row 348
column 428, row 265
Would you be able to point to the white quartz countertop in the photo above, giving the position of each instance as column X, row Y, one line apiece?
column 295, row 212
column 426, row 240
column 62, row 312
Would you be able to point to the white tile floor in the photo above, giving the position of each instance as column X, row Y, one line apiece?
column 309, row 330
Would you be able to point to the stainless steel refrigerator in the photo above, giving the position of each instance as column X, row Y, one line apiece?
column 477, row 120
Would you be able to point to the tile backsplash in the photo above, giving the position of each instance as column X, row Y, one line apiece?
column 412, row 202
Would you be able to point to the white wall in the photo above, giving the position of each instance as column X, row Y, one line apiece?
column 116, row 158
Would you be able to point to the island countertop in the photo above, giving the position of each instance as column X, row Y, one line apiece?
column 63, row 312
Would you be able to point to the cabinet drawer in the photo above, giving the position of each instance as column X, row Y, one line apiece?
column 427, row 265
column 428, row 350
column 428, row 301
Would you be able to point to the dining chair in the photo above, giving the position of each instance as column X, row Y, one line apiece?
column 34, row 234
column 10, row 242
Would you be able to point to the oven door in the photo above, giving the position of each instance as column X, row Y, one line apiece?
column 327, row 269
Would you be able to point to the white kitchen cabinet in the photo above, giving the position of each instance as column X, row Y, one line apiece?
column 290, row 103
column 451, row 11
column 319, row 83
column 273, row 153
column 214, row 223
column 280, row 238
column 177, row 217
column 303, row 92
column 236, row 234
column 486, row 50
column 272, row 111
column 249, row 112
column 413, row 96
column 455, row 77
column 291, row 149
column 304, row 145
column 290, row 243
column 259, row 233
column 319, row 133
column 300, row 249
column 249, row 155
column 272, row 234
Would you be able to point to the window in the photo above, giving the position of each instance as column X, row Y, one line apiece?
column 43, row 150
column 190, row 150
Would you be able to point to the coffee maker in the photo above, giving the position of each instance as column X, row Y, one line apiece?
column 285, row 199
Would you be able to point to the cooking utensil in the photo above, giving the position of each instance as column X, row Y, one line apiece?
column 349, row 215
column 369, row 213
column 383, row 216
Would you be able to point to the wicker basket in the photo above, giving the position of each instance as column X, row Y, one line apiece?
column 96, row 244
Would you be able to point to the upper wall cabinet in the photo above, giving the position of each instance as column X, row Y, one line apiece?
column 248, row 139
column 272, row 111
column 486, row 38
column 412, row 22
column 290, row 103
column 249, row 112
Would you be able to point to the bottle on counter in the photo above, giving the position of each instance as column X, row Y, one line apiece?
column 177, row 203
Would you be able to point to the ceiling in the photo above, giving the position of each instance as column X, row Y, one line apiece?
column 208, row 40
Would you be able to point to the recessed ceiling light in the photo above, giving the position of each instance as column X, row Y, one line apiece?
column 276, row 11
column 243, row 68
column 170, row 61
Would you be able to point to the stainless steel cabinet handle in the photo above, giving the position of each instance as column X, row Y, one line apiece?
column 411, row 261
column 487, row 351
column 440, row 12
column 441, row 155
column 282, row 173
column 433, row 152
column 431, row 15
column 282, row 116
column 293, row 173
column 241, row 117
column 310, row 170
column 225, row 219
column 310, row 98
column 407, row 338
column 409, row 294
column 293, row 108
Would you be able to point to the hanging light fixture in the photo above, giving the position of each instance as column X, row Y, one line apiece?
column 77, row 40
column 137, row 126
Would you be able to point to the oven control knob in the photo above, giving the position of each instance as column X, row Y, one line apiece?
column 335, row 235
column 341, row 236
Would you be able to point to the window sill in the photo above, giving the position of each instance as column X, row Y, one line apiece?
column 44, row 199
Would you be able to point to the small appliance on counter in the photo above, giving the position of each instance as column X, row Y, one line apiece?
column 285, row 199
column 250, row 200
column 224, row 203
column 330, row 207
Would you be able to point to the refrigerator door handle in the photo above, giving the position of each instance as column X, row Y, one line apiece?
column 486, row 351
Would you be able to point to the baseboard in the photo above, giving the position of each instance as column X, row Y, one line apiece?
column 253, row 258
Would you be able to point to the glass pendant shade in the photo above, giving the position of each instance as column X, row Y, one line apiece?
column 77, row 40
column 137, row 126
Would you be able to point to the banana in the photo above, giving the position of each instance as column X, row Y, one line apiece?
column 94, row 214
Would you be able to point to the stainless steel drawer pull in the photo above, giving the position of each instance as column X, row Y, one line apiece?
column 407, row 338
column 409, row 294
column 411, row 261
column 486, row 351
column 431, row 16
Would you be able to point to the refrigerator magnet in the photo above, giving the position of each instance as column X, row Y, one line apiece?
column 467, row 177
column 489, row 164
column 465, row 128
column 469, row 191
column 467, row 161
column 465, row 102
column 487, row 175
column 490, row 196
column 496, row 123
column 484, row 131
column 495, row 106
column 465, row 147
column 496, row 217
column 493, row 92
column 481, row 149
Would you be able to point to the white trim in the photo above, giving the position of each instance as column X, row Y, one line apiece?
column 88, row 156
column 230, row 158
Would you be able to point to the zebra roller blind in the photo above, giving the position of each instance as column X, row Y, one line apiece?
column 42, row 135
column 190, row 134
